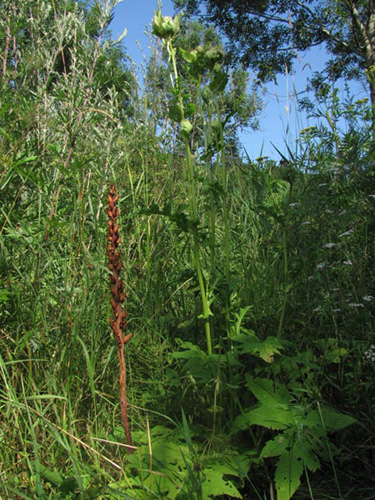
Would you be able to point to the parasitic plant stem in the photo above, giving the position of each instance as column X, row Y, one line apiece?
column 118, row 322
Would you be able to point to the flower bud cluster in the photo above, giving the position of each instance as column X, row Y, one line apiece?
column 166, row 27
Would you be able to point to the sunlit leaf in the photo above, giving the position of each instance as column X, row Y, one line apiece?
column 215, row 484
column 288, row 473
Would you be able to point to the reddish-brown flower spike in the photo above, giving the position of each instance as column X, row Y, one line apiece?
column 118, row 322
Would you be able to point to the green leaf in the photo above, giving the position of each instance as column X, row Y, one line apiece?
column 4, row 293
column 265, row 349
column 235, row 464
column 186, row 128
column 19, row 493
column 313, row 422
column 169, row 452
column 176, row 113
column 304, row 450
column 215, row 484
column 189, row 109
column 274, row 412
column 332, row 352
column 198, row 364
column 189, row 56
column 275, row 447
column 51, row 476
column 266, row 415
column 334, row 420
column 289, row 469
column 296, row 452
column 190, row 351
column 219, row 82
column 269, row 392
column 119, row 494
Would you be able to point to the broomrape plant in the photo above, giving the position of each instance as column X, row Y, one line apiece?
column 118, row 323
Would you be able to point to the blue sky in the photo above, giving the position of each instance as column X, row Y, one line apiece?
column 280, row 121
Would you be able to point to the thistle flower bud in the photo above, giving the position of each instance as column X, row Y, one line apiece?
column 166, row 27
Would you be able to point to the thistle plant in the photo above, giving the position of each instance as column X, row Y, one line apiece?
column 118, row 322
column 167, row 29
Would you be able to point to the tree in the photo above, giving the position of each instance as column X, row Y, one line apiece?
column 29, row 25
column 266, row 34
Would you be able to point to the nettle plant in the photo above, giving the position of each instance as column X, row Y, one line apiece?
column 275, row 416
column 302, row 424
column 293, row 411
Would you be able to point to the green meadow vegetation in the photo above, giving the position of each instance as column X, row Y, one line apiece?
column 247, row 328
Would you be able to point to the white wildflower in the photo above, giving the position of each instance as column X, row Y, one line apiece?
column 34, row 344
column 328, row 211
column 336, row 310
column 293, row 205
column 368, row 298
column 347, row 233
column 317, row 309
column 321, row 185
column 371, row 195
column 348, row 262
column 356, row 304
column 306, row 223
column 343, row 212
column 321, row 265
column 329, row 245
column 370, row 353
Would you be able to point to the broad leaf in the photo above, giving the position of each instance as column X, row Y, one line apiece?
column 169, row 452
column 267, row 415
column 265, row 349
column 190, row 351
column 268, row 392
column 218, row 82
column 176, row 112
column 215, row 484
column 275, row 447
column 190, row 56
column 333, row 420
column 304, row 451
column 288, row 472
column 332, row 352
column 52, row 476
column 296, row 453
